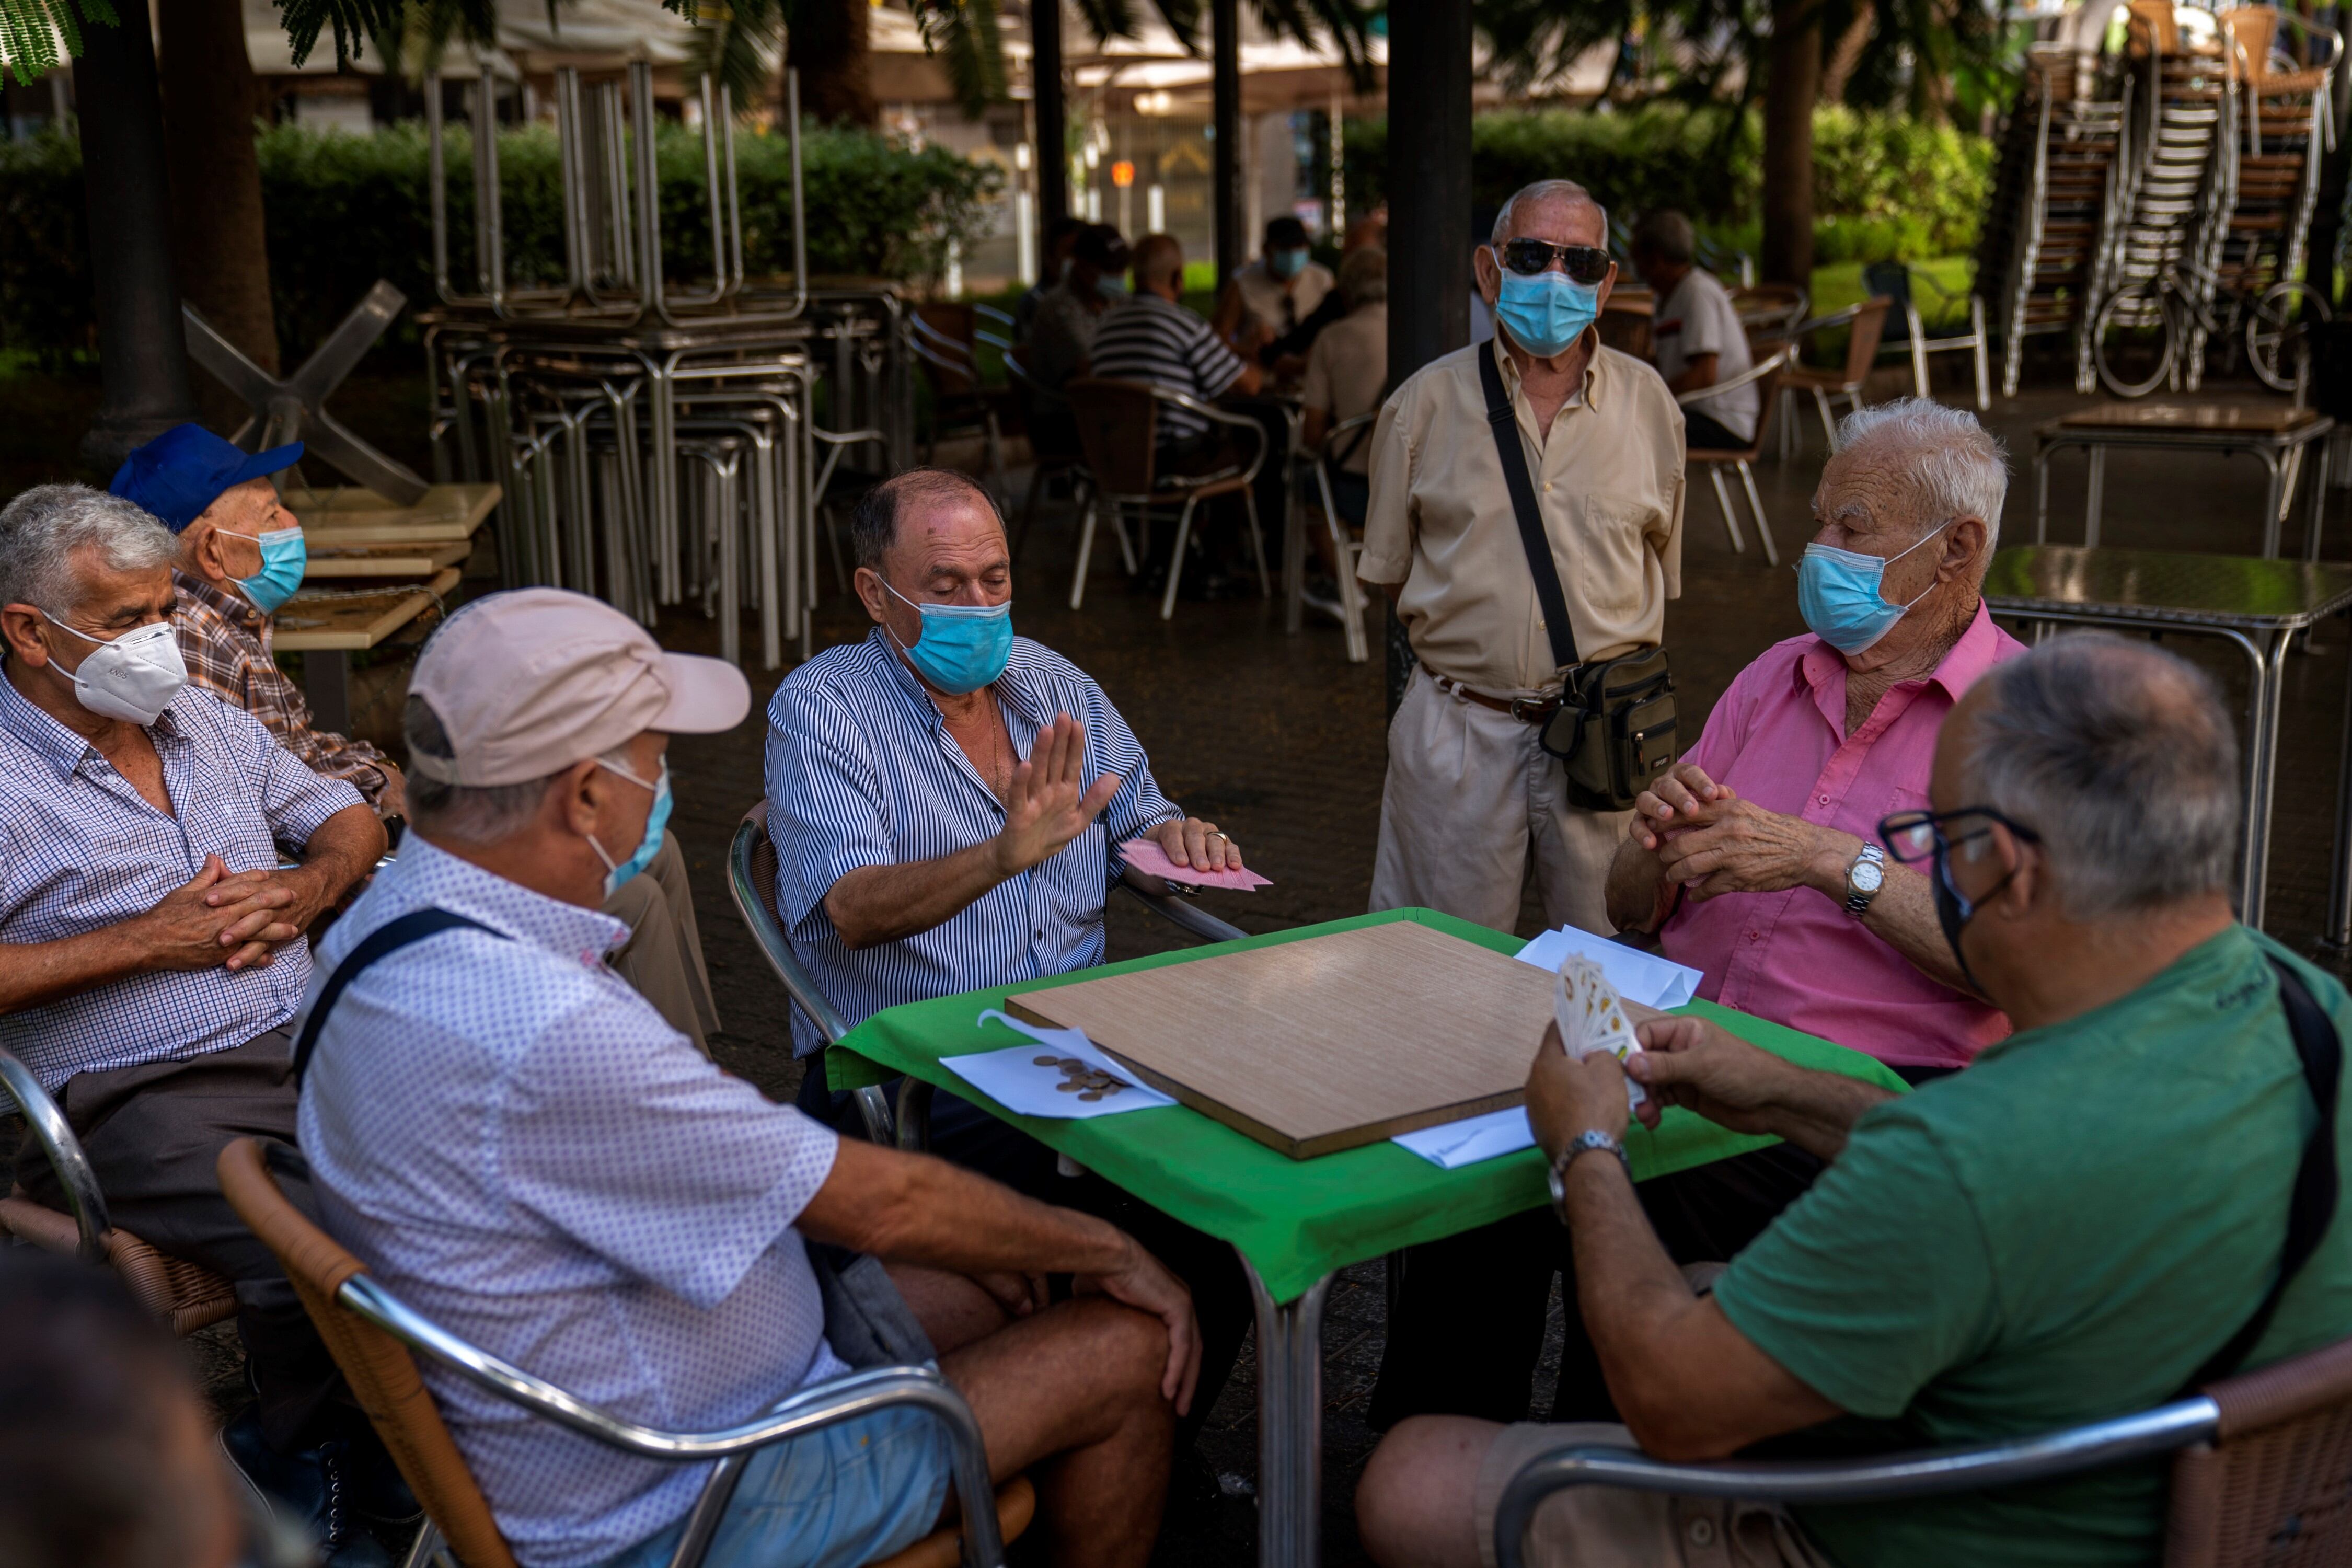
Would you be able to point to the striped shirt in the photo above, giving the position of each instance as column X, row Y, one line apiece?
column 1148, row 339
column 862, row 771
column 226, row 644
column 80, row 848
column 515, row 1143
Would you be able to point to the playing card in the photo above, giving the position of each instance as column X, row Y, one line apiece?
column 1591, row 1016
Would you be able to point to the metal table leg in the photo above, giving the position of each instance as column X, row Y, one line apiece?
column 2041, row 495
column 2272, row 694
column 327, row 682
column 2277, row 499
column 1289, row 1425
column 2318, row 518
column 2092, row 503
column 2336, row 936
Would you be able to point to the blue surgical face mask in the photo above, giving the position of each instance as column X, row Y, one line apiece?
column 1548, row 313
column 657, row 823
column 1838, row 593
column 283, row 556
column 963, row 646
column 1286, row 263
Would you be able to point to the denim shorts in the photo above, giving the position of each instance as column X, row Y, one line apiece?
column 837, row 1498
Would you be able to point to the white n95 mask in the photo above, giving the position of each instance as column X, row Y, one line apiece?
column 134, row 676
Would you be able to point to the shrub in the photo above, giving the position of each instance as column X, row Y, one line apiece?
column 1885, row 187
column 343, row 211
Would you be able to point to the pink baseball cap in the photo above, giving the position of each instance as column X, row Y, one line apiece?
column 528, row 682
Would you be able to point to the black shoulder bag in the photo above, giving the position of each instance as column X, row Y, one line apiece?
column 2311, row 1202
column 1614, row 730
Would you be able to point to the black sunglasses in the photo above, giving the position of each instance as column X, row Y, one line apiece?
column 1530, row 257
column 1914, row 836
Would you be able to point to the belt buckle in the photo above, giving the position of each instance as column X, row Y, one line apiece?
column 1533, row 710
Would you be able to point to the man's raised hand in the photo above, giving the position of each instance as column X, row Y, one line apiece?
column 1046, row 802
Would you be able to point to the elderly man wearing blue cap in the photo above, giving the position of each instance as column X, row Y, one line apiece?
column 241, row 556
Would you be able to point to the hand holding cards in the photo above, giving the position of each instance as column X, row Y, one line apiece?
column 1591, row 1016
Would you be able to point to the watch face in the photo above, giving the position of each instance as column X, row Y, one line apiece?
column 1868, row 876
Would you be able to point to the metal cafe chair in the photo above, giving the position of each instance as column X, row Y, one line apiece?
column 1895, row 279
column 1053, row 438
column 1118, row 425
column 376, row 1338
column 2261, row 1463
column 1345, row 545
column 183, row 1296
column 1868, row 321
column 961, row 404
column 1768, row 375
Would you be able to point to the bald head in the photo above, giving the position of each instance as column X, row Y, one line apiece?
column 920, row 501
column 1159, row 262
column 2119, row 754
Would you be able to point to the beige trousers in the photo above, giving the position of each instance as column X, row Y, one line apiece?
column 1608, row 1527
column 662, row 959
column 1470, row 795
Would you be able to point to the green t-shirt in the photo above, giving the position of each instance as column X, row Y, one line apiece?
column 2062, row 1234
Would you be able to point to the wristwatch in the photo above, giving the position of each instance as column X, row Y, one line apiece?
column 1863, row 878
column 1583, row 1142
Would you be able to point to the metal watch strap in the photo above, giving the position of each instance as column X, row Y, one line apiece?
column 1857, row 902
column 1584, row 1143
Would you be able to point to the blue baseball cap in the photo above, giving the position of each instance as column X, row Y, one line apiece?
column 186, row 468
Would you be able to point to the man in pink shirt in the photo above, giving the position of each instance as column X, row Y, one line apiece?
column 1756, row 859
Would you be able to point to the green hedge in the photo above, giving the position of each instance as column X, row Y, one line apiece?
column 1885, row 187
column 343, row 211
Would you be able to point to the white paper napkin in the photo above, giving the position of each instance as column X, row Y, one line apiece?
column 1639, row 976
column 1474, row 1137
column 1012, row 1079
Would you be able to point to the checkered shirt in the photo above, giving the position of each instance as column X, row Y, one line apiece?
column 225, row 642
column 80, row 848
column 519, row 1147
column 862, row 771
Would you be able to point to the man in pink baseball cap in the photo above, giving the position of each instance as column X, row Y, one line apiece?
column 515, row 1143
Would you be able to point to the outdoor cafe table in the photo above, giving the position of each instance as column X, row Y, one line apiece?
column 1295, row 1223
column 2255, row 605
column 326, row 631
column 2275, row 435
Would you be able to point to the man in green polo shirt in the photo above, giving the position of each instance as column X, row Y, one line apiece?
column 2070, row 1230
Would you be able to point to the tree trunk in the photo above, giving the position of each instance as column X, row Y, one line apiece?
column 828, row 44
column 1847, row 54
column 1790, row 92
column 217, row 249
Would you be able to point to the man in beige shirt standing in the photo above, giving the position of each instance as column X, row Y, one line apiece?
column 1470, row 794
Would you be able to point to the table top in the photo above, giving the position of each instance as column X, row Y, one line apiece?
column 2199, row 423
column 2166, row 588
column 348, row 515
column 308, row 623
column 1296, row 1220
column 338, row 560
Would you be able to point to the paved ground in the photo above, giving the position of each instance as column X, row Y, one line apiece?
column 1281, row 741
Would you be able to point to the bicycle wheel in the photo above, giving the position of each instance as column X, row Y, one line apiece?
column 2277, row 328
column 2134, row 340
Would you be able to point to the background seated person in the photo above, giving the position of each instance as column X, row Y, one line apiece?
column 1072, row 309
column 1346, row 371
column 1696, row 335
column 1151, row 337
column 1270, row 297
column 151, row 951
column 241, row 556
column 2074, row 1229
column 516, row 1144
column 1060, row 235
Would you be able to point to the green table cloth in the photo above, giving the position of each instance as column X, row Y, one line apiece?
column 1294, row 1220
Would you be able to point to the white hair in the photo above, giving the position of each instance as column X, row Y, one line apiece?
column 472, row 813
column 43, row 528
column 2121, row 756
column 1953, row 466
column 1546, row 191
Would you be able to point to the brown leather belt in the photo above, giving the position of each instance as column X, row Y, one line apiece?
column 1526, row 710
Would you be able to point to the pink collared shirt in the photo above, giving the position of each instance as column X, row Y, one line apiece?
column 1795, row 957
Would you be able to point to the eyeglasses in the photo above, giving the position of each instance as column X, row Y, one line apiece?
column 1531, row 257
column 1914, row 836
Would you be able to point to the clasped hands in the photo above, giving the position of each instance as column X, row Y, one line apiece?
column 235, row 920
column 1047, row 804
column 1709, row 841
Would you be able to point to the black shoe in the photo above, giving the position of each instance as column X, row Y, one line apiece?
column 311, row 1489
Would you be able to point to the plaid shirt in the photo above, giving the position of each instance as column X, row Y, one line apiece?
column 80, row 849
column 225, row 642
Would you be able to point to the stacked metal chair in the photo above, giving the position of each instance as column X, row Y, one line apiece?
column 2287, row 125
column 657, row 443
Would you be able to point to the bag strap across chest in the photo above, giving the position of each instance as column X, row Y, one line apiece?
column 1503, row 424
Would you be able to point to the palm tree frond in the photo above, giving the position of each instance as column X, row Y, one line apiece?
column 969, row 39
column 738, row 41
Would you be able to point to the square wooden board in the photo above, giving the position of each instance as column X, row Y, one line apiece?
column 1326, row 1044
column 349, row 515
